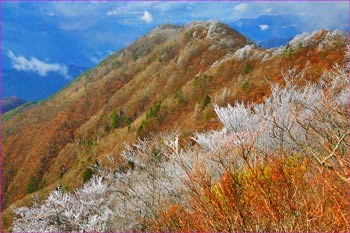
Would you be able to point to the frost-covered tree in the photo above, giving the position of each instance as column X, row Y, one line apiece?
column 115, row 199
column 309, row 120
column 87, row 209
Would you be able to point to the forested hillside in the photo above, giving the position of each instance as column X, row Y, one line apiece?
column 185, row 122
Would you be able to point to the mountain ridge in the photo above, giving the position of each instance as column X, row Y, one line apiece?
column 157, row 83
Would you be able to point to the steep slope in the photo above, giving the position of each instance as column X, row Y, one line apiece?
column 165, row 80
column 128, row 82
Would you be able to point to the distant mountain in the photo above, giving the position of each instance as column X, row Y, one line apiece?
column 274, row 42
column 269, row 30
column 10, row 103
column 32, row 87
column 167, row 79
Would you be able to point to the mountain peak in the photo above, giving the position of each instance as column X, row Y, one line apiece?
column 201, row 23
column 152, row 85
column 319, row 39
column 214, row 28
column 322, row 38
column 165, row 29
column 217, row 31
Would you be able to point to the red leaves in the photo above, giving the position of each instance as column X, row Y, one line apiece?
column 174, row 219
column 278, row 195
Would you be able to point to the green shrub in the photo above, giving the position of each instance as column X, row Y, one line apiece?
column 196, row 81
column 87, row 174
column 153, row 112
column 245, row 85
column 202, row 81
column 32, row 185
column 113, row 121
column 188, row 34
column 140, row 130
column 288, row 52
column 207, row 116
column 247, row 68
column 178, row 96
column 201, row 85
column 116, row 64
column 127, row 121
column 67, row 188
column 42, row 184
column 206, row 101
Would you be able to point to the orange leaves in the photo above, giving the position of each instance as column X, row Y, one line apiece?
column 277, row 194
column 280, row 194
column 174, row 219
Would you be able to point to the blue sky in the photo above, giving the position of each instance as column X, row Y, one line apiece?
column 43, row 38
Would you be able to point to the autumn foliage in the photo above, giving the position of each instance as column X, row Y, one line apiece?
column 188, row 129
column 280, row 165
column 281, row 194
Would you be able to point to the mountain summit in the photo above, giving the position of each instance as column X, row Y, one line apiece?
column 167, row 79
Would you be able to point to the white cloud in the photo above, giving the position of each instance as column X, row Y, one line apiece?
column 147, row 17
column 37, row 66
column 268, row 10
column 113, row 12
column 241, row 7
column 51, row 13
column 263, row 27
